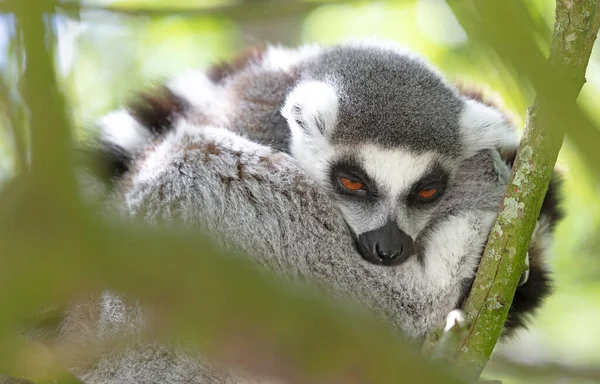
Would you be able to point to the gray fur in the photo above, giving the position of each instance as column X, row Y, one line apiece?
column 227, row 192
column 105, row 318
column 343, row 99
column 389, row 99
column 222, row 184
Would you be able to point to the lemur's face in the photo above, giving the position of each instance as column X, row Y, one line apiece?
column 387, row 197
column 383, row 134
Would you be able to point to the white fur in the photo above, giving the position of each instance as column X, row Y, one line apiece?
column 317, row 103
column 278, row 58
column 313, row 156
column 120, row 128
column 162, row 155
column 364, row 220
column 118, row 317
column 455, row 317
column 457, row 237
column 483, row 127
column 193, row 86
column 396, row 169
column 156, row 162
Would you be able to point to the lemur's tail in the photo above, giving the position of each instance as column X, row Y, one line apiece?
column 124, row 133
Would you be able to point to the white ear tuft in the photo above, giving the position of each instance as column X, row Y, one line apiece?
column 483, row 127
column 311, row 109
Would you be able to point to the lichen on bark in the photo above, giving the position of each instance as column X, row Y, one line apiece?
column 503, row 260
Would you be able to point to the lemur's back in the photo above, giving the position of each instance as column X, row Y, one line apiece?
column 386, row 96
column 244, row 95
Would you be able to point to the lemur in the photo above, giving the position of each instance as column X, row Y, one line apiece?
column 354, row 166
column 373, row 125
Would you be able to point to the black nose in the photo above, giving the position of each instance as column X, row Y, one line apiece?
column 390, row 254
column 387, row 245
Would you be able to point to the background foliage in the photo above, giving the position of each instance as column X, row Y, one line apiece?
column 104, row 57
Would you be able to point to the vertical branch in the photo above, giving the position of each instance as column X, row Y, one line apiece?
column 38, row 206
column 49, row 127
column 12, row 106
column 18, row 111
column 502, row 263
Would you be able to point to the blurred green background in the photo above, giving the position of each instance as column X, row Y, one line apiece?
column 104, row 57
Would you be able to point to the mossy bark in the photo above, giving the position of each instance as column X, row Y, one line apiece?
column 503, row 260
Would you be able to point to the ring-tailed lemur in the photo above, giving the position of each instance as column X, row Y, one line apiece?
column 375, row 126
column 310, row 158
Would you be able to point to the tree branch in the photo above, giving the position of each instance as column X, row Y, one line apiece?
column 502, row 263
column 49, row 126
column 15, row 116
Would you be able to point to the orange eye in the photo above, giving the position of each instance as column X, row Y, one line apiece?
column 351, row 185
column 427, row 193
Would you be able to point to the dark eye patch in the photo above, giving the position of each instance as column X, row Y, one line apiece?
column 436, row 179
column 349, row 168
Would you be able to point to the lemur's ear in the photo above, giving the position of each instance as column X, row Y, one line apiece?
column 311, row 109
column 483, row 127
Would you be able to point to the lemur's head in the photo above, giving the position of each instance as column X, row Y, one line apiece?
column 384, row 134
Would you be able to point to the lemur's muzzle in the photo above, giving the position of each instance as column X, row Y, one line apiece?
column 387, row 245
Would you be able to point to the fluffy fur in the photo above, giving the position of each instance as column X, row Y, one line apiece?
column 350, row 109
column 256, row 141
column 222, row 184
